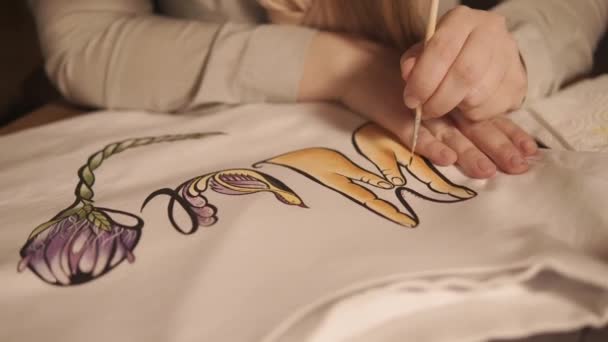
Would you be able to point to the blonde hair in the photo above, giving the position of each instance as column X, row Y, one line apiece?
column 398, row 23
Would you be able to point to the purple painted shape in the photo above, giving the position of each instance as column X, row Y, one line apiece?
column 243, row 181
column 217, row 187
column 205, row 212
column 74, row 251
column 199, row 201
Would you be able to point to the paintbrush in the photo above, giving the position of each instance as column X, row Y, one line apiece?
column 430, row 31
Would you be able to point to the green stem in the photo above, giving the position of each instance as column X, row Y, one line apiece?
column 84, row 189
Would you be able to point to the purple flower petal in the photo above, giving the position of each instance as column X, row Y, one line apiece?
column 53, row 254
column 120, row 253
column 207, row 221
column 39, row 266
column 105, row 246
column 217, row 187
column 195, row 201
column 87, row 261
column 77, row 245
column 205, row 212
column 242, row 181
column 74, row 250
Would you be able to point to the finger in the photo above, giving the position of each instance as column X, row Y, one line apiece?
column 406, row 69
column 376, row 144
column 522, row 140
column 387, row 164
column 373, row 180
column 386, row 209
column 408, row 59
column 494, row 143
column 402, row 126
column 430, row 147
column 467, row 72
column 473, row 162
column 369, row 200
column 346, row 168
column 337, row 166
column 438, row 56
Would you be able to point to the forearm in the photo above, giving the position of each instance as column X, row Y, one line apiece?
column 362, row 75
column 118, row 54
column 148, row 63
column 557, row 39
column 327, row 66
column 336, row 63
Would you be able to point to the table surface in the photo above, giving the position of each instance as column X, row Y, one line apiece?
column 44, row 115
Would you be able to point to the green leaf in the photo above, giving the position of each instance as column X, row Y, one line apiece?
column 100, row 220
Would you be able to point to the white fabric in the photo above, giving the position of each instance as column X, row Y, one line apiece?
column 508, row 311
column 266, row 269
column 577, row 116
column 575, row 119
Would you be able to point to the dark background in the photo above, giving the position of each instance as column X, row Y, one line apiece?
column 19, row 61
column 481, row 4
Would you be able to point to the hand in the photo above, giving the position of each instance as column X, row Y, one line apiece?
column 337, row 172
column 471, row 63
column 365, row 77
column 483, row 146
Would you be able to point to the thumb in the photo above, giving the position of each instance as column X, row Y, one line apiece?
column 408, row 60
column 374, row 180
column 406, row 67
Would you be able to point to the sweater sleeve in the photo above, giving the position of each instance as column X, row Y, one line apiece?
column 557, row 39
column 119, row 54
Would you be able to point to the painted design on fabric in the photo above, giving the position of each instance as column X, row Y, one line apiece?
column 236, row 182
column 337, row 172
column 603, row 130
column 84, row 241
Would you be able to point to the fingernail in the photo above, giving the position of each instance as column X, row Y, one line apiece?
column 385, row 185
column 397, row 181
column 517, row 160
column 529, row 147
column 447, row 156
column 485, row 165
column 412, row 102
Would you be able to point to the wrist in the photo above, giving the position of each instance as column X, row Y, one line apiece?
column 334, row 61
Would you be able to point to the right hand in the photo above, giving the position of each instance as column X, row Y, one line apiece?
column 365, row 77
column 472, row 63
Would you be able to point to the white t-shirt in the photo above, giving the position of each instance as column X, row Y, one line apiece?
column 248, row 233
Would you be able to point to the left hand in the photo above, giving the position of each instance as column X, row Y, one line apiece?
column 471, row 63
column 483, row 146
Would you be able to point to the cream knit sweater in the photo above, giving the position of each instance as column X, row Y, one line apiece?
column 123, row 54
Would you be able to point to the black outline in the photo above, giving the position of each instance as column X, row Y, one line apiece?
column 407, row 168
column 82, row 278
column 351, row 180
column 426, row 198
column 398, row 189
column 175, row 197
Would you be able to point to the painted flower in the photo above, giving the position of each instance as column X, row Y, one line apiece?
column 235, row 182
column 206, row 213
column 76, row 249
column 199, row 211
